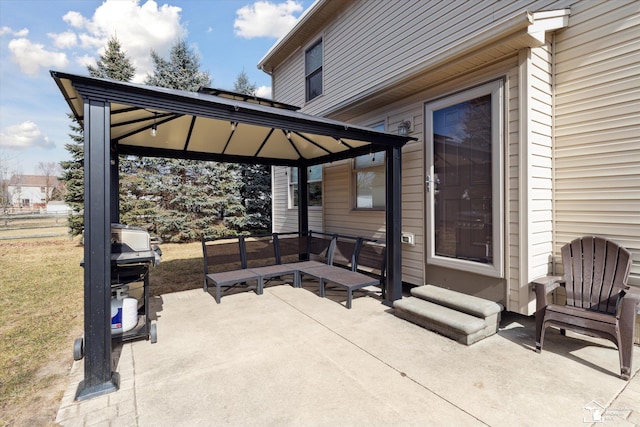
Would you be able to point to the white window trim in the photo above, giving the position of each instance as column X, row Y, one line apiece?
column 309, row 46
column 496, row 90
column 381, row 125
column 290, row 199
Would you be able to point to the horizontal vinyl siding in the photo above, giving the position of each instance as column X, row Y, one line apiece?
column 282, row 220
column 597, row 166
column 288, row 84
column 340, row 218
column 373, row 40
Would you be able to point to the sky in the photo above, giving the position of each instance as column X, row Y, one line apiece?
column 37, row 36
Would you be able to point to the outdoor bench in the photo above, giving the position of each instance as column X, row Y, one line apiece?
column 356, row 263
column 347, row 262
column 230, row 262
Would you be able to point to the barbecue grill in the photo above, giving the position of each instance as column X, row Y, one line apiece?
column 133, row 253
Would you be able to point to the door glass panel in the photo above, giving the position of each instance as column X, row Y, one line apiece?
column 463, row 222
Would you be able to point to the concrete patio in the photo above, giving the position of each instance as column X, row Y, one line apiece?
column 288, row 357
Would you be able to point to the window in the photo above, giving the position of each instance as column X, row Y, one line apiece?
column 369, row 179
column 464, row 180
column 313, row 70
column 314, row 186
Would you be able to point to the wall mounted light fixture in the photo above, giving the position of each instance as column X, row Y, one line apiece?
column 404, row 128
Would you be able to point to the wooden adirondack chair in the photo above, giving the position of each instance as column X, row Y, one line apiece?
column 595, row 277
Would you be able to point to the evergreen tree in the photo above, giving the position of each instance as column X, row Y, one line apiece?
column 243, row 85
column 255, row 191
column 181, row 71
column 113, row 64
column 73, row 177
column 191, row 198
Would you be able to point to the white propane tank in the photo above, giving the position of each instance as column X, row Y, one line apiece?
column 124, row 312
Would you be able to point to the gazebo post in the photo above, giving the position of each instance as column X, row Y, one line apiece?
column 303, row 200
column 393, row 173
column 98, row 378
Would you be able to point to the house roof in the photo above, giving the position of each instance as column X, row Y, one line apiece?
column 33, row 180
column 218, row 125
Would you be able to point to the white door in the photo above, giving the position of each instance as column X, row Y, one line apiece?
column 464, row 180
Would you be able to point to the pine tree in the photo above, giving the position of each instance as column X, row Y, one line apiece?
column 113, row 64
column 181, row 71
column 193, row 198
column 73, row 177
column 256, row 179
column 243, row 85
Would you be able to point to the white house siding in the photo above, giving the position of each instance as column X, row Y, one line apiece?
column 356, row 58
column 597, row 134
column 572, row 160
column 338, row 185
column 283, row 218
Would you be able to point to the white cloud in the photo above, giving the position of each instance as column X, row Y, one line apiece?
column 86, row 60
column 75, row 19
column 7, row 30
column 24, row 135
column 32, row 56
column 65, row 40
column 264, row 92
column 140, row 28
column 266, row 19
column 155, row 28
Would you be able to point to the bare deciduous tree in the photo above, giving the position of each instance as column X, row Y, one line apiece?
column 49, row 170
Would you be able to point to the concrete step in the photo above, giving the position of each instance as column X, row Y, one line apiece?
column 469, row 304
column 464, row 318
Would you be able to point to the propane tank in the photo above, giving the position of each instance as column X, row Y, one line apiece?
column 124, row 311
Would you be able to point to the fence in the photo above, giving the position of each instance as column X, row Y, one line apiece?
column 34, row 225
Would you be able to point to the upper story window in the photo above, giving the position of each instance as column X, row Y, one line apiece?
column 369, row 179
column 313, row 70
column 314, row 186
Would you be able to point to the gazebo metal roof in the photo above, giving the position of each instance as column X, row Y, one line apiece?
column 211, row 124
column 219, row 125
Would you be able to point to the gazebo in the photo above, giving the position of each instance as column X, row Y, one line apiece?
column 122, row 118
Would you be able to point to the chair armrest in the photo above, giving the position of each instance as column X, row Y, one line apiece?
column 543, row 286
column 631, row 301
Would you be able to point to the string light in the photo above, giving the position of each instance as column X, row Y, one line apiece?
column 154, row 127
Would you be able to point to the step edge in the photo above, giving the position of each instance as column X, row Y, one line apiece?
column 466, row 305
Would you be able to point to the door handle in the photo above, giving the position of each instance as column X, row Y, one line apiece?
column 429, row 181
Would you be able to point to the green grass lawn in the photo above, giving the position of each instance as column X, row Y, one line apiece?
column 41, row 307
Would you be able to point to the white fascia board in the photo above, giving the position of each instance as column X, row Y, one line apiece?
column 550, row 20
